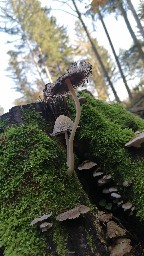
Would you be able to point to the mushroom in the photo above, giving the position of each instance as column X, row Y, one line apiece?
column 136, row 142
column 112, row 189
column 127, row 206
column 45, row 226
column 39, row 220
column 73, row 213
column 115, row 195
column 96, row 174
column 66, row 83
column 63, row 124
column 86, row 165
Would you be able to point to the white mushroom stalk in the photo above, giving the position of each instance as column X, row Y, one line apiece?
column 77, row 119
column 67, row 144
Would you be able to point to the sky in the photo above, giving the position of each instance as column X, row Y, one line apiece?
column 118, row 32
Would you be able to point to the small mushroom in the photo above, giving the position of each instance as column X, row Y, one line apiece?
column 45, row 226
column 63, row 124
column 137, row 141
column 115, row 195
column 75, row 76
column 96, row 174
column 102, row 182
column 127, row 206
column 126, row 183
column 39, row 220
column 112, row 189
column 86, row 165
column 107, row 177
column 73, row 213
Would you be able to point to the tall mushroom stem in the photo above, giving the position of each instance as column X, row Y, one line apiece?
column 77, row 119
column 67, row 144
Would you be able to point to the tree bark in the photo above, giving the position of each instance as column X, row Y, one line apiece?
column 115, row 55
column 96, row 53
column 139, row 25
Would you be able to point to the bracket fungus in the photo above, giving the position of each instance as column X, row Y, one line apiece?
column 76, row 75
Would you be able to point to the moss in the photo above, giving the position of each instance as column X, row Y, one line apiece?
column 105, row 129
column 90, row 242
column 33, row 182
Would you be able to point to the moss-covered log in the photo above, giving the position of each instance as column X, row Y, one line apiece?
column 33, row 178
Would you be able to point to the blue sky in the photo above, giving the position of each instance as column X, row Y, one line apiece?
column 118, row 33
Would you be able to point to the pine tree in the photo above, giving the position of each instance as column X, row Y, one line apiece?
column 42, row 47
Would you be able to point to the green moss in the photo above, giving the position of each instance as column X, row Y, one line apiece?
column 90, row 242
column 105, row 129
column 33, row 182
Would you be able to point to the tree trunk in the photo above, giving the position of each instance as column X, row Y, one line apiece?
column 34, row 182
column 139, row 25
column 136, row 42
column 96, row 53
column 115, row 55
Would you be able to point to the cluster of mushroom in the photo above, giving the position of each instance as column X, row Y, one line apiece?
column 43, row 224
column 76, row 75
column 111, row 192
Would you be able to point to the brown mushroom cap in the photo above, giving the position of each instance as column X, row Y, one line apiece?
column 77, row 74
column 62, row 124
column 73, row 213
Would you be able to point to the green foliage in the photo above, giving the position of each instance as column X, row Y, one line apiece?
column 33, row 182
column 105, row 129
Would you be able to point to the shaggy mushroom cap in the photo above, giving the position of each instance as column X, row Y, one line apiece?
column 62, row 124
column 47, row 92
column 77, row 74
